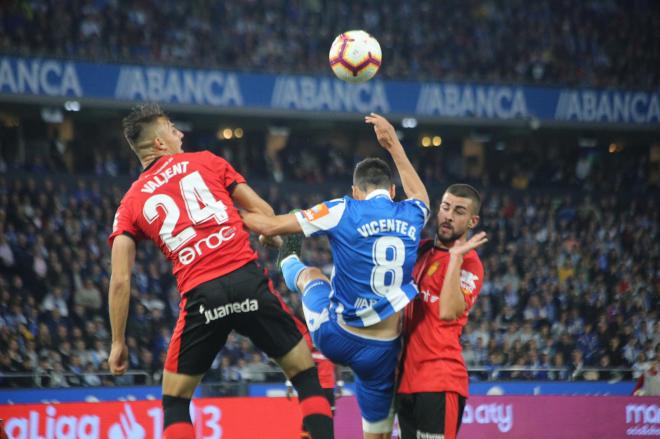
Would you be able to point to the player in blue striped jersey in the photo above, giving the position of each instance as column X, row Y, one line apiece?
column 354, row 319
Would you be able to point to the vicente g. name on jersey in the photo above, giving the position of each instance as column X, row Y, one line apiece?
column 388, row 225
column 248, row 305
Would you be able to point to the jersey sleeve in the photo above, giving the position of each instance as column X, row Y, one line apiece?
column 228, row 175
column 423, row 208
column 322, row 218
column 472, row 274
column 124, row 223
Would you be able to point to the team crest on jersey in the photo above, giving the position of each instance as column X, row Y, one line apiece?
column 316, row 212
column 468, row 282
column 433, row 268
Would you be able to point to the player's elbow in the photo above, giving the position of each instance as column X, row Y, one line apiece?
column 448, row 315
column 119, row 283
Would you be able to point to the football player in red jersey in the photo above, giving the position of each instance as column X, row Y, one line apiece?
column 184, row 202
column 433, row 385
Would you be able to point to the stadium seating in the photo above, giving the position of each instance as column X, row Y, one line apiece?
column 551, row 42
column 569, row 283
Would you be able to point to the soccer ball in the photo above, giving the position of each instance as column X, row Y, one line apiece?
column 355, row 56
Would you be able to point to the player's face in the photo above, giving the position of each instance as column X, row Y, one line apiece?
column 170, row 138
column 455, row 218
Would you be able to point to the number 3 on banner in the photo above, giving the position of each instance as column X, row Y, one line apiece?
column 194, row 192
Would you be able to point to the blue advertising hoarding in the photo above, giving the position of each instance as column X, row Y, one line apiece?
column 219, row 90
column 600, row 388
column 137, row 393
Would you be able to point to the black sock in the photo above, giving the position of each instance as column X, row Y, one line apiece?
column 175, row 410
column 317, row 415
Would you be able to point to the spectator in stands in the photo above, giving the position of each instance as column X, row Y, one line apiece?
column 56, row 300
column 87, row 295
column 583, row 52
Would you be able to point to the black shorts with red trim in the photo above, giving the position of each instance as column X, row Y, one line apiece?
column 430, row 414
column 243, row 300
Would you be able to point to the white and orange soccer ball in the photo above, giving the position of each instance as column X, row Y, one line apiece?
column 355, row 56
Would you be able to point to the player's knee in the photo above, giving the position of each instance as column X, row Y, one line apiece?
column 378, row 429
column 296, row 360
column 180, row 385
column 308, row 275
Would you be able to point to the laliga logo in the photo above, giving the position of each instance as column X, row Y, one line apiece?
column 60, row 427
column 128, row 427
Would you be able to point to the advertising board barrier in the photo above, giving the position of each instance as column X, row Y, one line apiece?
column 493, row 417
column 52, row 80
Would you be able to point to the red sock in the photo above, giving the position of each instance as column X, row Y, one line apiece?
column 315, row 405
column 180, row 430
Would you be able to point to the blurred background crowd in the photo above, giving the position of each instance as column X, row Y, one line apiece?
column 594, row 43
column 571, row 284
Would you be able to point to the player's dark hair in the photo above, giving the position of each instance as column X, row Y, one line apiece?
column 140, row 117
column 372, row 173
column 466, row 191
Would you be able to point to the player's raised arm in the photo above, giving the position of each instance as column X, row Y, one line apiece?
column 386, row 135
column 123, row 258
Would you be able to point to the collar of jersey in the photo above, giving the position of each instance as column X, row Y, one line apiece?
column 151, row 165
column 378, row 193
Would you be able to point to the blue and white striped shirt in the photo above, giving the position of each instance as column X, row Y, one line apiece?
column 374, row 248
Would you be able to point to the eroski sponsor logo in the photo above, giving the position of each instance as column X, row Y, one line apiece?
column 428, row 297
column 188, row 254
column 248, row 305
column 61, row 427
column 499, row 414
column 644, row 414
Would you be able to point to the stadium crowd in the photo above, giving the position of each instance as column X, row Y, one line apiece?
column 595, row 43
column 572, row 276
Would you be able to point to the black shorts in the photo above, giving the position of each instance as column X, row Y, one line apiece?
column 244, row 300
column 429, row 415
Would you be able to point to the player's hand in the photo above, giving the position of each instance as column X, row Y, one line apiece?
column 118, row 359
column 271, row 241
column 384, row 130
column 461, row 247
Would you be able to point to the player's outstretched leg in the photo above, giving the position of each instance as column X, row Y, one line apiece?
column 297, row 275
column 310, row 281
